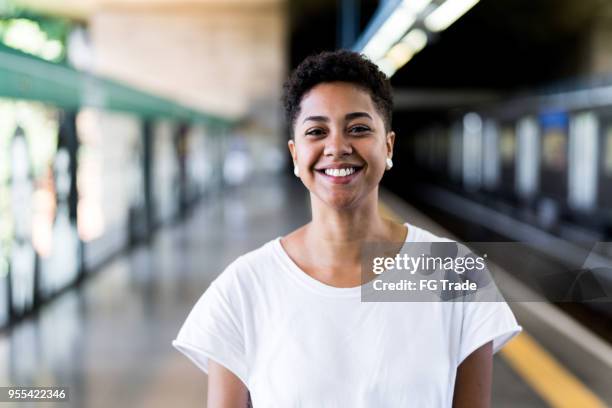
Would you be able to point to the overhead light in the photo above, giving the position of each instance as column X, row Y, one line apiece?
column 387, row 66
column 403, row 51
column 400, row 54
column 416, row 6
column 416, row 39
column 391, row 31
column 447, row 13
column 385, row 40
column 393, row 28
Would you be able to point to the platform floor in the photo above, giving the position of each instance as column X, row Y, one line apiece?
column 109, row 341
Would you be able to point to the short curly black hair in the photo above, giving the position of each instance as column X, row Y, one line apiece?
column 332, row 66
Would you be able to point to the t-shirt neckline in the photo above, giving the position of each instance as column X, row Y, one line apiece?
column 316, row 285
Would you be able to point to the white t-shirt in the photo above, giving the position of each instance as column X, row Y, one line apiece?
column 297, row 342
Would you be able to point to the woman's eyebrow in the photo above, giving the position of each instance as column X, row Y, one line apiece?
column 316, row 119
column 348, row 116
column 355, row 115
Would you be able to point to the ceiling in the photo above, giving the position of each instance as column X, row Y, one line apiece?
column 499, row 47
column 83, row 9
column 499, row 44
column 507, row 44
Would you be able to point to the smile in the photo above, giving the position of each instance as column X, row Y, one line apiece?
column 340, row 172
column 340, row 175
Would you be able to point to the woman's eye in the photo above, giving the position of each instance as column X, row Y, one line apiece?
column 314, row 132
column 359, row 129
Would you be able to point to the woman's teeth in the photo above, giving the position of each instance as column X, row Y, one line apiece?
column 340, row 172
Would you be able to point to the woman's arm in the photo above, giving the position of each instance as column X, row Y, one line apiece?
column 474, row 377
column 225, row 390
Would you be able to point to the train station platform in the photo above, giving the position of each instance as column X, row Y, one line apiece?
column 109, row 340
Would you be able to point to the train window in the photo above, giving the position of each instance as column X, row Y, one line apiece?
column 507, row 145
column 607, row 163
column 553, row 154
column 441, row 143
column 456, row 150
column 491, row 165
column 431, row 146
column 554, row 140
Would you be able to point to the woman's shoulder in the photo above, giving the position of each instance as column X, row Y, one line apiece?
column 420, row 234
column 248, row 266
column 262, row 258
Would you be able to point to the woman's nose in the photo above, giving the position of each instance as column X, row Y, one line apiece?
column 337, row 145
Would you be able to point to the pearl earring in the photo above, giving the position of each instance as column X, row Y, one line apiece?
column 389, row 163
column 296, row 171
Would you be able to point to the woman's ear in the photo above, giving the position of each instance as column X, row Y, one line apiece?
column 291, row 145
column 390, row 142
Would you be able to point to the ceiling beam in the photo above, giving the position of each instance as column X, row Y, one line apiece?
column 417, row 99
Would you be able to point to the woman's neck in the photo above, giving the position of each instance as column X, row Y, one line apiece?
column 336, row 236
column 347, row 225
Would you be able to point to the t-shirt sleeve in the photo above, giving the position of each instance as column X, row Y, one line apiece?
column 484, row 322
column 213, row 329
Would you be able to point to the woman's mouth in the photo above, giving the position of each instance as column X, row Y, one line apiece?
column 340, row 175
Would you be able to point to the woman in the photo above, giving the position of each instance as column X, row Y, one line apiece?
column 285, row 322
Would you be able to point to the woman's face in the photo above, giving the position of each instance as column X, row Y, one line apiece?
column 340, row 145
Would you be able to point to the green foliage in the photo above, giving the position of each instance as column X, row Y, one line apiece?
column 46, row 35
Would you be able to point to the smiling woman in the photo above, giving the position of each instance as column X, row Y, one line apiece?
column 337, row 129
column 286, row 323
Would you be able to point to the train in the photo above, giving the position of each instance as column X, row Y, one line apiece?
column 534, row 169
column 545, row 158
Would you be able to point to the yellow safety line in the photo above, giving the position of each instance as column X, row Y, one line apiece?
column 546, row 375
column 540, row 370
